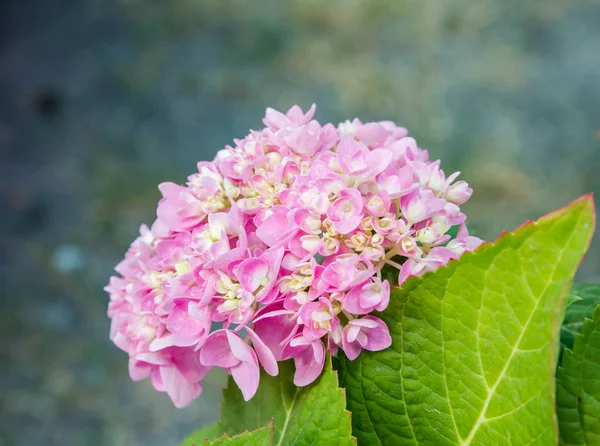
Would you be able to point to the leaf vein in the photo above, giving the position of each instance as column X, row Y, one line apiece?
column 514, row 349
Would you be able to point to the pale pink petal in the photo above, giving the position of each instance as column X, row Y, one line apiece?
column 351, row 349
column 372, row 134
column 309, row 364
column 265, row 355
column 239, row 348
column 275, row 119
column 349, row 150
column 351, row 301
column 247, row 376
column 181, row 391
column 274, row 331
column 152, row 358
column 378, row 337
column 162, row 342
column 138, row 370
column 216, row 351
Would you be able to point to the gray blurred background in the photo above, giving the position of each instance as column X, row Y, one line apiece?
column 101, row 100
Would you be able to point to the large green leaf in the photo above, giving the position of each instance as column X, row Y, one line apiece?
column 209, row 432
column 577, row 311
column 474, row 344
column 315, row 414
column 578, row 387
column 260, row 437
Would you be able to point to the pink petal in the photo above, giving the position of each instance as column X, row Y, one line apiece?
column 351, row 349
column 275, row 228
column 309, row 364
column 275, row 119
column 351, row 301
column 348, row 150
column 303, row 142
column 216, row 351
column 273, row 258
column 162, row 342
column 239, row 348
column 274, row 331
column 378, row 338
column 152, row 358
column 275, row 313
column 265, row 355
column 372, row 134
column 186, row 328
column 251, row 272
column 377, row 161
column 138, row 370
column 247, row 376
column 366, row 322
column 181, row 391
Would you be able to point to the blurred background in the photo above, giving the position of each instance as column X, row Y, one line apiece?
column 101, row 100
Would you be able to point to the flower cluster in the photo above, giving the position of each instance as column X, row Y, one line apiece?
column 275, row 251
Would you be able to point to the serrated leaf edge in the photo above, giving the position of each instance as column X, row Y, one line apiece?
column 270, row 424
column 343, row 390
column 587, row 202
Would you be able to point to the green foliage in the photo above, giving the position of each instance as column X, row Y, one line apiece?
column 260, row 437
column 578, row 387
column 587, row 297
column 209, row 432
column 474, row 344
column 315, row 414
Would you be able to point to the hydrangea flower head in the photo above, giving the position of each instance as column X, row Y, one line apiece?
column 275, row 251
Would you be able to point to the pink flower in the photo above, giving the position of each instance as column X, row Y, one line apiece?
column 275, row 250
column 346, row 213
column 257, row 274
column 373, row 134
column 264, row 353
column 459, row 192
column 368, row 332
column 224, row 348
column 311, row 138
column 366, row 297
column 420, row 205
column 275, row 228
column 379, row 205
column 309, row 358
column 179, row 210
column 356, row 160
column 178, row 373
column 397, row 182
column 188, row 324
column 275, row 328
column 294, row 117
column 318, row 319
column 346, row 271
column 464, row 242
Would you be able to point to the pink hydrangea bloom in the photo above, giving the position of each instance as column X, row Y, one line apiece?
column 274, row 251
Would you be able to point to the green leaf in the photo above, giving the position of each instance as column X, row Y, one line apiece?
column 209, row 432
column 588, row 297
column 474, row 344
column 315, row 414
column 260, row 437
column 453, row 231
column 578, row 387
